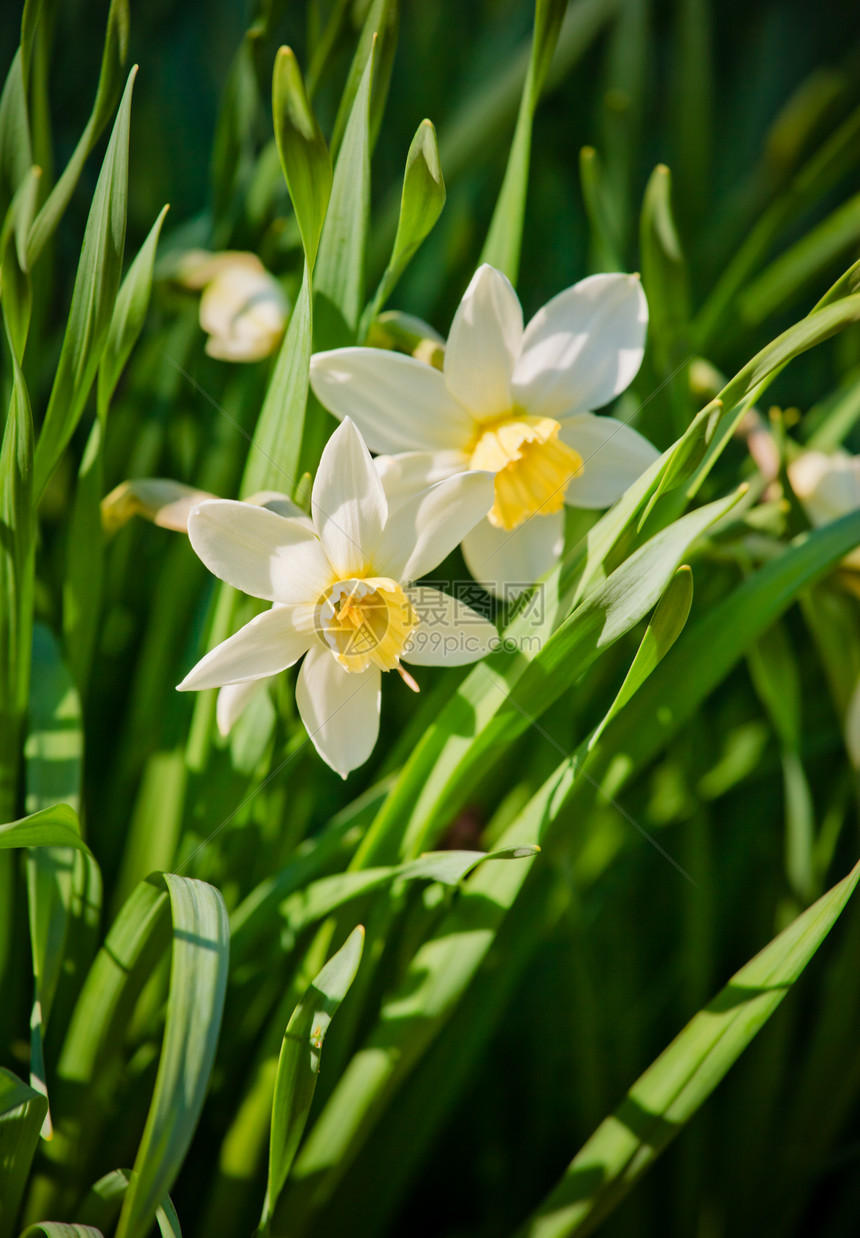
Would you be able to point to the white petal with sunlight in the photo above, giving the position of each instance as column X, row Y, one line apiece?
column 348, row 502
column 450, row 633
column 613, row 455
column 259, row 552
column 583, row 348
column 398, row 402
column 340, row 710
column 268, row 644
column 508, row 562
column 484, row 343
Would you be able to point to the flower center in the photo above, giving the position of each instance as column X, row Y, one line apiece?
column 367, row 622
column 532, row 466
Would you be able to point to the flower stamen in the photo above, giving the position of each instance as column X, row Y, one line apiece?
column 533, row 467
column 367, row 622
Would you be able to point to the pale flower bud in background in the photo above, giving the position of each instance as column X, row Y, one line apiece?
column 243, row 308
column 827, row 487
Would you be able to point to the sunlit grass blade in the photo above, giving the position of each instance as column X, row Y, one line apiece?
column 321, row 898
column 16, row 155
column 302, row 148
column 110, row 80
column 102, row 1203
column 667, row 1095
column 504, row 239
column 664, row 278
column 198, row 981
column 60, row 1229
column 96, row 285
column 666, row 625
column 299, row 1064
column 605, row 249
column 339, row 282
column 380, row 29
column 421, row 204
column 22, row 1112
column 17, row 550
column 60, row 883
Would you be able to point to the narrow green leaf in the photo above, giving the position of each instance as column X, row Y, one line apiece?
column 421, row 204
column 128, row 315
column 379, row 29
column 29, row 24
column 15, row 290
column 664, row 278
column 322, row 897
column 17, row 548
column 339, row 281
column 110, row 80
column 16, row 155
column 273, row 459
column 82, row 588
column 683, row 1077
column 666, row 625
column 60, row 1229
column 102, row 1203
column 50, row 827
column 198, row 982
column 302, row 149
column 299, row 1063
column 63, row 887
column 504, row 239
column 96, row 285
column 22, row 1112
column 234, row 146
column 604, row 249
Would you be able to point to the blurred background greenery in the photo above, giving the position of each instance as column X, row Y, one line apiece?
column 735, row 98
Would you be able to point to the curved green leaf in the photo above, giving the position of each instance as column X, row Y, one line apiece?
column 22, row 1112
column 683, row 1077
column 299, row 1063
column 198, row 982
column 96, row 285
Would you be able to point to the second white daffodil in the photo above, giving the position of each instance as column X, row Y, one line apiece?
column 341, row 592
column 513, row 400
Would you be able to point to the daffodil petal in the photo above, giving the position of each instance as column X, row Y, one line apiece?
column 450, row 633
column 267, row 645
column 398, row 402
column 340, row 710
column 484, row 343
column 583, row 348
column 425, row 528
column 507, row 562
column 348, row 502
column 232, row 701
column 409, row 471
column 259, row 552
column 613, row 456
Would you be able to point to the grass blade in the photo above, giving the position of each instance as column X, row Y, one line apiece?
column 299, row 1063
column 96, row 285
column 198, row 982
column 683, row 1077
column 22, row 1112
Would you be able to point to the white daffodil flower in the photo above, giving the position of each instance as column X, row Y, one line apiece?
column 243, row 308
column 341, row 592
column 512, row 400
column 827, row 487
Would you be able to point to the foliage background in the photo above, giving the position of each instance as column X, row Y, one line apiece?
column 628, row 948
